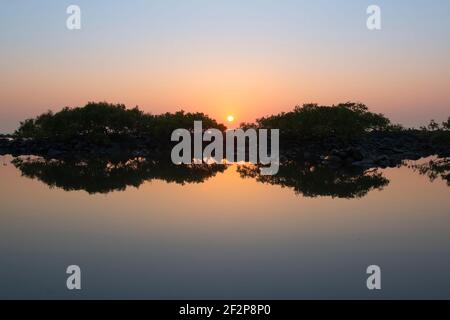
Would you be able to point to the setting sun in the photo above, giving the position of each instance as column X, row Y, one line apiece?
column 230, row 118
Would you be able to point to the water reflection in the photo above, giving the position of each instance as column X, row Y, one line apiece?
column 434, row 169
column 103, row 176
column 315, row 181
column 224, row 237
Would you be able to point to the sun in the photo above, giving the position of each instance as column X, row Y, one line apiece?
column 230, row 118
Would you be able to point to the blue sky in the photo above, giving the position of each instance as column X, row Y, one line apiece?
column 247, row 58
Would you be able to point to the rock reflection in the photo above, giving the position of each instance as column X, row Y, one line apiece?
column 104, row 176
column 315, row 181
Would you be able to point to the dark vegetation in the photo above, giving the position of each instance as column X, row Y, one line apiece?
column 100, row 130
column 314, row 123
column 325, row 150
column 348, row 134
column 317, row 181
column 104, row 122
column 342, row 135
column 103, row 176
column 434, row 169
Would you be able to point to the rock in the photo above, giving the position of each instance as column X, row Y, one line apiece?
column 356, row 154
column 383, row 161
column 367, row 163
column 398, row 150
column 54, row 153
column 348, row 161
column 339, row 153
column 307, row 155
column 333, row 158
column 411, row 156
column 392, row 163
column 334, row 152
column 333, row 161
column 139, row 153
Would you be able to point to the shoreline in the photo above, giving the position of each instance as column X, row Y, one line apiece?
column 374, row 149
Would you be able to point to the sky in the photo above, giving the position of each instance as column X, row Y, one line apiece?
column 246, row 58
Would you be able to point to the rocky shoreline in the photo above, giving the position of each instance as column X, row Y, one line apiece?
column 376, row 149
column 79, row 148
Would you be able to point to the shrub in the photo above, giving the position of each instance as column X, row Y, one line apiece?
column 314, row 122
column 102, row 121
column 446, row 124
column 433, row 126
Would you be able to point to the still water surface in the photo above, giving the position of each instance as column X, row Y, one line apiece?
column 150, row 231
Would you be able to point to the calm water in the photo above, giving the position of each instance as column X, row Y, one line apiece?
column 140, row 230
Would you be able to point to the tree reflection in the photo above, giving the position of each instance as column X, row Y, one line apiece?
column 315, row 181
column 434, row 169
column 103, row 176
